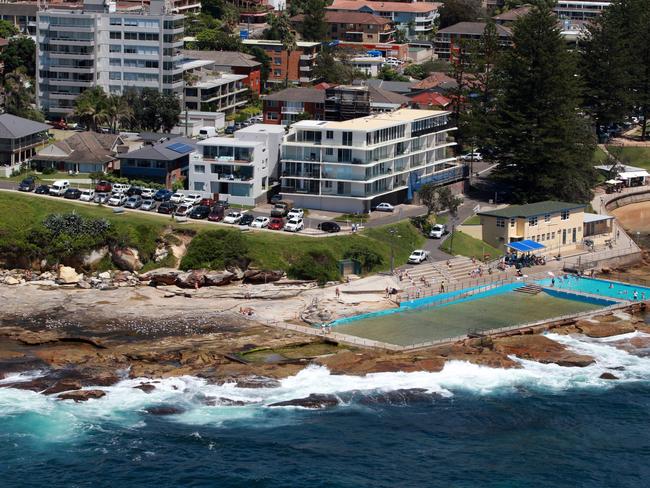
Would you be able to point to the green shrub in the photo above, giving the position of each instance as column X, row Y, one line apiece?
column 48, row 171
column 316, row 264
column 216, row 249
column 364, row 253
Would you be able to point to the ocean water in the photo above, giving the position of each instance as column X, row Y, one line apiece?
column 468, row 426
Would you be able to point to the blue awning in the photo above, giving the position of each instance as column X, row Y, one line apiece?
column 526, row 246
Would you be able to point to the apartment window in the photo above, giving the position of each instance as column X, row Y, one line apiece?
column 501, row 222
column 199, row 168
column 271, row 103
column 329, row 151
column 329, row 134
column 277, row 72
column 116, row 21
column 272, row 115
column 130, row 36
column 277, row 61
column 548, row 236
column 116, row 35
column 327, row 184
column 347, row 138
column 547, row 217
column 114, row 48
column 115, row 62
column 512, row 222
column 564, row 215
column 532, row 221
column 114, row 75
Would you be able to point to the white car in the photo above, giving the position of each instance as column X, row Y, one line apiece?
column 87, row 195
column 296, row 213
column 294, row 225
column 393, row 62
column 177, row 198
column 147, row 192
column 418, row 256
column 437, row 231
column 384, row 207
column 148, row 204
column 232, row 218
column 183, row 210
column 473, row 156
column 120, row 187
column 260, row 222
column 102, row 198
column 193, row 198
column 117, row 200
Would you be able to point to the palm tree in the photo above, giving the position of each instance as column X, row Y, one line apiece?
column 90, row 107
column 117, row 112
column 282, row 25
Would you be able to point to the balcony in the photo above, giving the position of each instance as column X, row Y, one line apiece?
column 301, row 174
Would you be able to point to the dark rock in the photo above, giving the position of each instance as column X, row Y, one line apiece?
column 257, row 382
column 37, row 384
column 237, row 273
column 146, row 387
column 313, row 401
column 161, row 276
column 82, row 395
column 217, row 278
column 164, row 410
column 260, row 277
column 223, row 402
column 191, row 279
column 63, row 385
column 608, row 376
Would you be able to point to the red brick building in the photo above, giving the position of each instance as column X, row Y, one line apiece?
column 284, row 106
column 233, row 62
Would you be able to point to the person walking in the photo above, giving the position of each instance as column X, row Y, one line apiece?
column 337, row 292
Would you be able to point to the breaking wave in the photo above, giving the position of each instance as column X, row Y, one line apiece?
column 194, row 401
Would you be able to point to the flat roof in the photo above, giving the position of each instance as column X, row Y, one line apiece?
column 273, row 42
column 212, row 81
column 376, row 121
column 532, row 209
column 227, row 141
column 591, row 217
column 262, row 128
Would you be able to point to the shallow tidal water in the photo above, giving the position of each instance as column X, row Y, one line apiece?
column 468, row 426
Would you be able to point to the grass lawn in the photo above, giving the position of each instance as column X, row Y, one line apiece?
column 352, row 217
column 278, row 251
column 441, row 219
column 600, row 156
column 466, row 245
column 473, row 220
column 59, row 175
column 634, row 156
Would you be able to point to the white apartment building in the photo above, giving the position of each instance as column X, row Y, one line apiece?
column 578, row 9
column 99, row 45
column 352, row 166
column 240, row 169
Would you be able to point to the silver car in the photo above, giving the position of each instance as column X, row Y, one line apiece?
column 148, row 205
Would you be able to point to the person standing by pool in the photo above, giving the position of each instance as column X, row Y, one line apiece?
column 635, row 295
column 552, row 281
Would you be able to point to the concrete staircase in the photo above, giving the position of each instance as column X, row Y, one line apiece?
column 529, row 289
column 458, row 269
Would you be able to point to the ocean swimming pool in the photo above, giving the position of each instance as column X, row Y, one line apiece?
column 595, row 286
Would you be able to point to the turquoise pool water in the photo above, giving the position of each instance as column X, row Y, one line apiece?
column 594, row 286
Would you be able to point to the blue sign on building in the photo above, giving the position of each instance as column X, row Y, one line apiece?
column 243, row 34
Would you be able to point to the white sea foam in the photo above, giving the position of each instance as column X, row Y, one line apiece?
column 204, row 403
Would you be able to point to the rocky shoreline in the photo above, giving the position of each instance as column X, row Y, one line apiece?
column 80, row 349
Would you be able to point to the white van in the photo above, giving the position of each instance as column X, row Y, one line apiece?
column 59, row 187
column 205, row 132
column 120, row 187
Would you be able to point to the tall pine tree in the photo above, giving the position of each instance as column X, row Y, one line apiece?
column 544, row 147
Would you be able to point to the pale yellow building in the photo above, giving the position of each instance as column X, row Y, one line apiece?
column 558, row 226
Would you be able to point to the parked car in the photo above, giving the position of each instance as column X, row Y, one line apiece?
column 148, row 205
column 147, row 192
column 87, row 195
column 183, row 210
column 224, row 203
column 329, row 227
column 134, row 201
column 384, row 207
column 166, row 208
column 72, row 194
column 59, row 187
column 120, row 187
column 437, row 231
column 276, row 223
column 117, row 199
column 216, row 214
column 472, row 156
column 177, row 198
column 296, row 213
column 260, row 222
column 275, row 199
column 134, row 190
column 232, row 218
column 294, row 225
column 163, row 195
column 28, row 184
column 102, row 198
column 208, row 202
column 193, row 198
column 229, row 130
column 200, row 212
column 281, row 209
column 103, row 187
column 418, row 256
column 246, row 219
column 42, row 190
